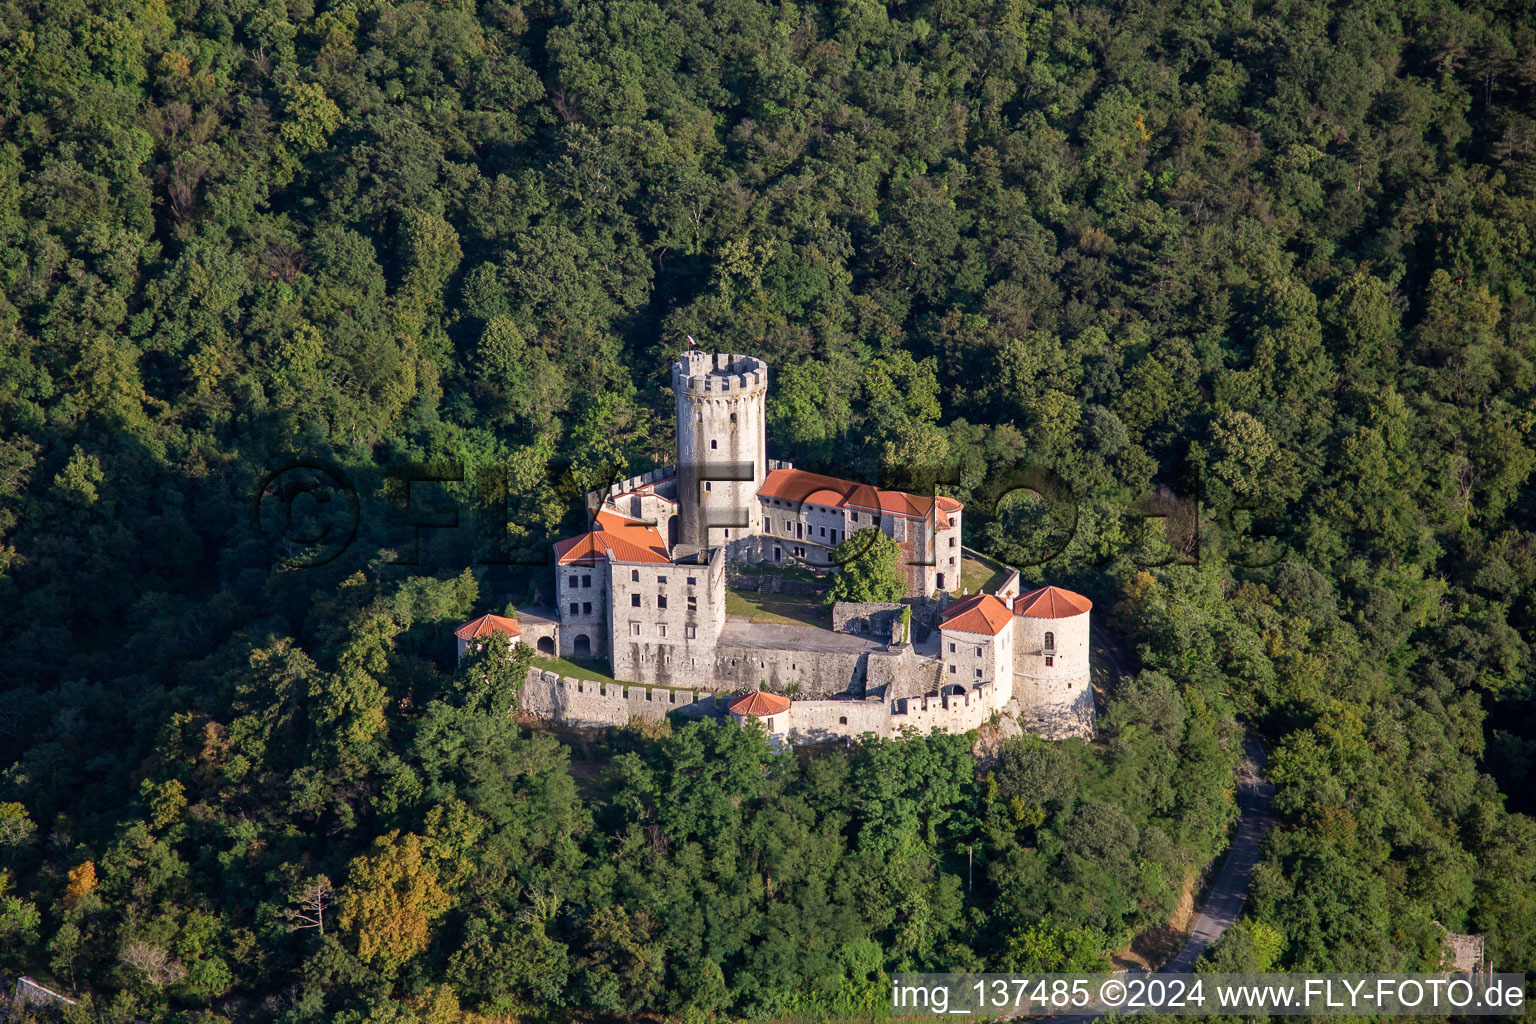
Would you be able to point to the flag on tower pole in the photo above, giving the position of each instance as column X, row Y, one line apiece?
column 691, row 342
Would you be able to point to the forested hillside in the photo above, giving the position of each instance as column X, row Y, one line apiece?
column 1194, row 271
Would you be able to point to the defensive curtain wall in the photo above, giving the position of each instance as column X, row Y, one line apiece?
column 586, row 702
column 793, row 673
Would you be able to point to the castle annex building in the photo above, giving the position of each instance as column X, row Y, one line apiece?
column 646, row 587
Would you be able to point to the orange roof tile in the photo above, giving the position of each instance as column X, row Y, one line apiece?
column 1051, row 603
column 799, row 485
column 485, row 625
column 760, row 704
column 613, row 536
column 979, row 613
column 825, row 496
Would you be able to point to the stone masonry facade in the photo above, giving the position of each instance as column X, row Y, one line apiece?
column 645, row 587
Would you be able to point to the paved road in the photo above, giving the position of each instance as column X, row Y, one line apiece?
column 1230, row 892
column 1254, row 793
column 1227, row 896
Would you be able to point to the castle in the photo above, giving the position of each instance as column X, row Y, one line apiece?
column 646, row 588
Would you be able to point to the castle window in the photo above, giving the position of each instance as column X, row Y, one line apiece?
column 727, row 534
column 823, row 531
column 634, row 629
column 951, row 544
column 778, row 554
column 978, row 673
column 586, row 607
column 708, row 486
column 692, row 580
column 661, row 629
column 661, row 600
column 951, row 670
column 951, row 559
column 1049, row 661
column 788, row 526
column 713, row 443
column 573, row 607
column 693, row 603
column 767, row 525
column 853, row 516
column 661, row 579
column 1050, row 641
column 978, row 652
column 586, row 582
column 634, row 600
column 634, row 575
column 842, row 719
column 573, row 581
column 733, row 418
column 951, row 648
column 689, row 632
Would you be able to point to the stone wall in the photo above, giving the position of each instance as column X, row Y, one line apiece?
column 585, row 702
column 802, row 673
column 821, row 721
column 767, row 583
column 954, row 713
column 970, row 658
column 902, row 672
column 634, row 483
column 878, row 620
column 584, row 585
column 664, row 628
column 1072, row 716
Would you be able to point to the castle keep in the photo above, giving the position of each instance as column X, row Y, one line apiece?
column 645, row 587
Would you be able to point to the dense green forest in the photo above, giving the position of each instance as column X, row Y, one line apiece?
column 1206, row 269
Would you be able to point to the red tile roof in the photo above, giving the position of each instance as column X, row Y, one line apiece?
column 799, row 485
column 979, row 613
column 613, row 536
column 760, row 704
column 485, row 625
column 1051, row 603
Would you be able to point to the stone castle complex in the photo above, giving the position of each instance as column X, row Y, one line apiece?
column 646, row 588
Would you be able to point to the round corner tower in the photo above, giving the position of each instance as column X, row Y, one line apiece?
column 721, row 445
column 1051, row 674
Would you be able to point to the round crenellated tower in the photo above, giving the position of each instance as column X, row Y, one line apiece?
column 721, row 445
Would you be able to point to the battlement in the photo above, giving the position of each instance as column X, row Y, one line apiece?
column 978, row 697
column 629, row 486
column 700, row 373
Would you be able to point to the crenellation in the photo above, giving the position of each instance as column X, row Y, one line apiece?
column 647, row 589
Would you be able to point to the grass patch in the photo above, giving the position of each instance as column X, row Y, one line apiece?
column 977, row 576
column 785, row 572
column 596, row 669
column 783, row 609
